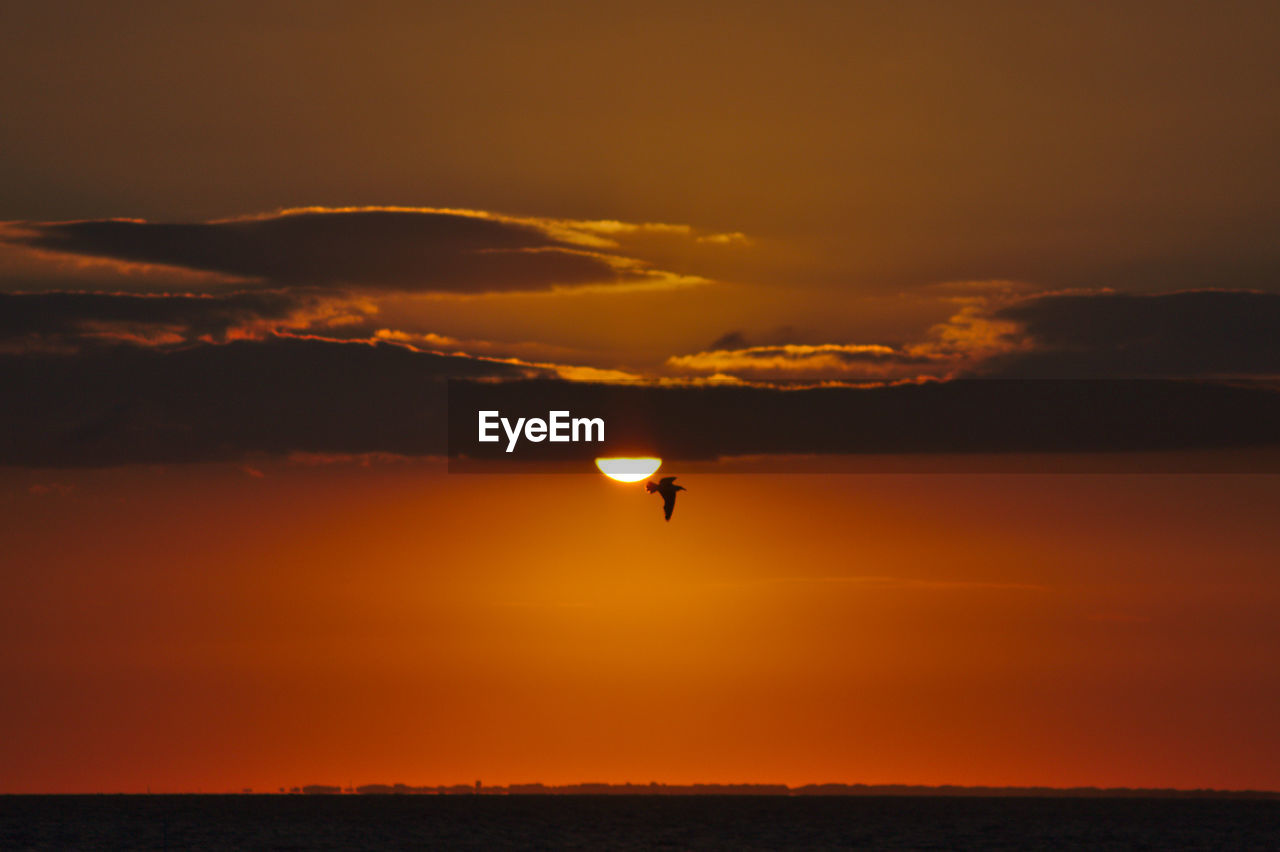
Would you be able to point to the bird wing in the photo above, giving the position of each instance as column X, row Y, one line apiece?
column 668, row 503
column 666, row 480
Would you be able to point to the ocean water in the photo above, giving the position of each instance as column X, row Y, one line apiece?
column 632, row 822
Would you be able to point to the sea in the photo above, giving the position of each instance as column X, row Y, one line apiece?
column 301, row 822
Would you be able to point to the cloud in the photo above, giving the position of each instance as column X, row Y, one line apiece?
column 801, row 362
column 951, row 348
column 730, row 340
column 532, row 355
column 308, row 398
column 123, row 404
column 67, row 320
column 527, row 351
column 27, row 269
column 952, row 417
column 970, row 335
column 1001, row 331
column 1188, row 334
column 376, row 249
column 780, row 336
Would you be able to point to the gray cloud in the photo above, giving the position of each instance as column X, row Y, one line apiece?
column 1190, row 334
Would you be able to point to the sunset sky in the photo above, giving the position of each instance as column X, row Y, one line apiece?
column 915, row 299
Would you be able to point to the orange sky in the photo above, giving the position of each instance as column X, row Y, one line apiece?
column 242, row 239
column 203, row 627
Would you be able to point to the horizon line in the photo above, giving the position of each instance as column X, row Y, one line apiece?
column 830, row 789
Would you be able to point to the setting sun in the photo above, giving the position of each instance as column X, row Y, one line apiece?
column 629, row 470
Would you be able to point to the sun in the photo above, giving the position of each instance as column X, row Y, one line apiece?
column 628, row 470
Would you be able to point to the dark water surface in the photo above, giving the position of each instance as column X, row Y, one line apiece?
column 632, row 822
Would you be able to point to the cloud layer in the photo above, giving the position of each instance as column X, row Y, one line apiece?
column 272, row 342
column 1200, row 334
column 803, row 361
column 961, row 416
column 133, row 404
column 1192, row 334
column 61, row 320
column 124, row 404
column 380, row 249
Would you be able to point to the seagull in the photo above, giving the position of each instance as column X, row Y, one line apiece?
column 667, row 488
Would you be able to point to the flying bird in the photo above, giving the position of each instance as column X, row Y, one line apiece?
column 667, row 488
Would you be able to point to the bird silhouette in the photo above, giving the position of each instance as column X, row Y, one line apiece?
column 667, row 488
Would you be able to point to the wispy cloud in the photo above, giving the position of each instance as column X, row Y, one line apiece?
column 804, row 361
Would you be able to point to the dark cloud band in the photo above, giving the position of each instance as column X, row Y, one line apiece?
column 1187, row 334
column 124, row 404
column 24, row 315
column 373, row 249
column 127, row 404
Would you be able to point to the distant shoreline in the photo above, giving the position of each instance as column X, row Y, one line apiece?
column 767, row 790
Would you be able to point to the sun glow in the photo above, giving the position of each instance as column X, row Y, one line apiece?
column 628, row 470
